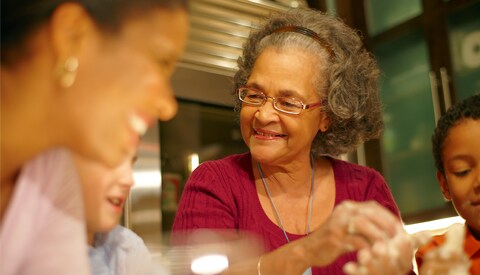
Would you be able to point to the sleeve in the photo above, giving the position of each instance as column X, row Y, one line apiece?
column 207, row 201
column 61, row 230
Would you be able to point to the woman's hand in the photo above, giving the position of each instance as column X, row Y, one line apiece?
column 392, row 256
column 352, row 226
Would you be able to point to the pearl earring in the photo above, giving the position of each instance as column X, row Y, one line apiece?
column 68, row 72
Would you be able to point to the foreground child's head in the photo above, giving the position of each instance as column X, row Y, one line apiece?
column 456, row 149
column 105, row 191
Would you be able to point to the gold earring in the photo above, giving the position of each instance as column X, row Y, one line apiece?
column 68, row 72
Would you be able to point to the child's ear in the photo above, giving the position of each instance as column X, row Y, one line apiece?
column 444, row 186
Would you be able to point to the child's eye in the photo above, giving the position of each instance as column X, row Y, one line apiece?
column 462, row 173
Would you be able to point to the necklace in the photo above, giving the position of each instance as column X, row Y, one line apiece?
column 275, row 208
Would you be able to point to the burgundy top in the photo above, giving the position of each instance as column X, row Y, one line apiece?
column 221, row 194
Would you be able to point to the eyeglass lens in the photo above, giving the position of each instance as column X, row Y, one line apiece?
column 283, row 104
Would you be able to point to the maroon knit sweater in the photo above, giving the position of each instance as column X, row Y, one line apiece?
column 221, row 194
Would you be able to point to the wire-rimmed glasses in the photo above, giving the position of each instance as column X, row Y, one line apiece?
column 287, row 105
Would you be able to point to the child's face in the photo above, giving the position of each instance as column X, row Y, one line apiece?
column 461, row 160
column 105, row 191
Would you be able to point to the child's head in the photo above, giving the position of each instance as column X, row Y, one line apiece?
column 456, row 149
column 105, row 191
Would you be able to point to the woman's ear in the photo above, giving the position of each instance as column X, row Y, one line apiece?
column 324, row 123
column 68, row 26
column 444, row 186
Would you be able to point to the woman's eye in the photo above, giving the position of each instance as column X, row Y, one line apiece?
column 255, row 96
column 288, row 104
column 165, row 64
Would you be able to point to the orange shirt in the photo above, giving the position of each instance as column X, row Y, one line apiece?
column 471, row 247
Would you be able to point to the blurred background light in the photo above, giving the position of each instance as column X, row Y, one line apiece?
column 209, row 264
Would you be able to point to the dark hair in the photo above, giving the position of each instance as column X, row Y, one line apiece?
column 348, row 83
column 20, row 18
column 466, row 109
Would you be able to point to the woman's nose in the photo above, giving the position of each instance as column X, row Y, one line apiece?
column 267, row 111
column 166, row 104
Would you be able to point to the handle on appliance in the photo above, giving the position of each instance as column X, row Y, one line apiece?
column 445, row 88
column 127, row 212
column 435, row 100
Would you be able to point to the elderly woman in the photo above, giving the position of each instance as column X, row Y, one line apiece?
column 307, row 92
column 86, row 75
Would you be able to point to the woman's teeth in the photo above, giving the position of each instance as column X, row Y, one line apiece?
column 268, row 135
column 138, row 124
column 115, row 201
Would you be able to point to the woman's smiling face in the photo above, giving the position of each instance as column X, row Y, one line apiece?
column 273, row 136
column 123, row 84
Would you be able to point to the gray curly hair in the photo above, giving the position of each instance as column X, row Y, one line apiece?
column 348, row 82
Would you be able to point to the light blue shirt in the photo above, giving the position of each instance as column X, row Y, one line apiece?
column 119, row 252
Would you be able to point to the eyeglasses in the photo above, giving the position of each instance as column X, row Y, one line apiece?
column 283, row 104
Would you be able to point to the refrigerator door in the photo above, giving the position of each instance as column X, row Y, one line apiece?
column 142, row 212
